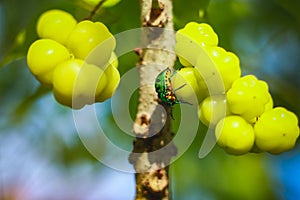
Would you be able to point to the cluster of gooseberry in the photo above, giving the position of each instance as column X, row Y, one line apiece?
column 239, row 108
column 67, row 58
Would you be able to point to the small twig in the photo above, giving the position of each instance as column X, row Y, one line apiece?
column 139, row 52
column 93, row 12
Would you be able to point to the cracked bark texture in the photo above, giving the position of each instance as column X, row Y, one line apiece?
column 153, row 148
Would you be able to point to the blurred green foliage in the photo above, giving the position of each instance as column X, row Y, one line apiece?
column 264, row 34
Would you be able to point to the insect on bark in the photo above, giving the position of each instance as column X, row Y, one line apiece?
column 164, row 89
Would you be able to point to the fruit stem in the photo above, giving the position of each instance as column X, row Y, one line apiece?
column 93, row 12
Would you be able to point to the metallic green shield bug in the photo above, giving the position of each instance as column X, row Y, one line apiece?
column 163, row 81
column 164, row 90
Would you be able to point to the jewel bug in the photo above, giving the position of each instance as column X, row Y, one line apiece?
column 164, row 89
column 163, row 81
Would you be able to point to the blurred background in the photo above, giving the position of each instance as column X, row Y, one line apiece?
column 42, row 157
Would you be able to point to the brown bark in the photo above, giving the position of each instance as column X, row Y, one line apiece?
column 153, row 148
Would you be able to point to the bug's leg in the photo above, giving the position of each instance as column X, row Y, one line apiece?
column 185, row 102
column 179, row 87
column 175, row 72
column 171, row 113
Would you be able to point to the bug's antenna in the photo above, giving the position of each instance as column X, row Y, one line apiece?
column 185, row 102
column 179, row 87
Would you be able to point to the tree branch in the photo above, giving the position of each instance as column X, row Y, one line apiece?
column 153, row 146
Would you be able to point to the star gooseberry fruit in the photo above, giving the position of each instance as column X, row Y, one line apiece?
column 190, row 41
column 113, row 74
column 235, row 135
column 43, row 56
column 107, row 3
column 248, row 97
column 56, row 24
column 276, row 130
column 86, row 36
column 76, row 83
column 227, row 63
column 212, row 109
column 187, row 77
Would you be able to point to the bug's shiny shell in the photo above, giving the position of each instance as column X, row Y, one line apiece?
column 163, row 88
